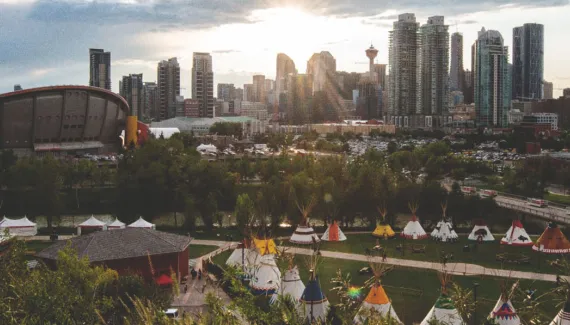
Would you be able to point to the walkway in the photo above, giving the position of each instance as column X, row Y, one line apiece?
column 453, row 268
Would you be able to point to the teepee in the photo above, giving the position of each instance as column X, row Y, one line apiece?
column 376, row 299
column 383, row 229
column 552, row 241
column 304, row 234
column 413, row 229
column 516, row 235
column 244, row 256
column 265, row 276
column 504, row 313
column 444, row 310
column 333, row 233
column 481, row 232
column 291, row 285
column 314, row 305
column 563, row 317
column 444, row 231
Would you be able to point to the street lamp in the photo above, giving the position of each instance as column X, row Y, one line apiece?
column 475, row 285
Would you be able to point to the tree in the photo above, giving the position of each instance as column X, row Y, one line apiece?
column 227, row 129
column 243, row 211
column 392, row 147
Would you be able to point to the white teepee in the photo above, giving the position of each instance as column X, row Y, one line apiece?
column 291, row 286
column 304, row 234
column 444, row 309
column 563, row 317
column 481, row 232
column 333, row 233
column 504, row 313
column 265, row 276
column 516, row 235
column 377, row 299
column 413, row 229
column 444, row 231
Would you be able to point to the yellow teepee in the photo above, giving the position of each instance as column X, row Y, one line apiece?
column 383, row 230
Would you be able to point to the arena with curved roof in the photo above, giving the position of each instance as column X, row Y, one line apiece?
column 69, row 119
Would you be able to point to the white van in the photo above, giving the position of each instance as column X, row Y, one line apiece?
column 172, row 313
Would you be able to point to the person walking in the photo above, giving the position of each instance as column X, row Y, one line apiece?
column 384, row 256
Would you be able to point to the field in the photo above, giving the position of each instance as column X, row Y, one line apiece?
column 414, row 291
column 195, row 251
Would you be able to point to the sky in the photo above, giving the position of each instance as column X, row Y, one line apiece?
column 46, row 42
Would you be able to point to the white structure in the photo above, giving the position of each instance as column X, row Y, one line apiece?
column 333, row 233
column 414, row 230
column 207, row 148
column 141, row 223
column 481, row 232
column 304, row 235
column 91, row 223
column 547, row 118
column 563, row 317
column 504, row 313
column 265, row 276
column 515, row 116
column 18, row 227
column 516, row 235
column 117, row 224
column 164, row 132
column 443, row 311
column 291, row 286
column 444, row 232
column 314, row 304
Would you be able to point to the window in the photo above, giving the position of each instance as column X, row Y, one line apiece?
column 66, row 126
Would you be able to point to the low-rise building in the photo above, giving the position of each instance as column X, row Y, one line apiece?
column 201, row 126
column 515, row 116
column 356, row 128
column 547, row 118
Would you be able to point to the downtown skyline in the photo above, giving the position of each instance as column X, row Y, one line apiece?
column 237, row 57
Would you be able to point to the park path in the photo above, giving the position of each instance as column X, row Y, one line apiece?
column 453, row 268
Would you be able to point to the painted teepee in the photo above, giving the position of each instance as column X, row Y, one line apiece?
column 314, row 305
column 376, row 300
column 304, row 234
column 383, row 229
column 444, row 309
column 413, row 229
column 333, row 233
column 444, row 231
column 481, row 232
column 504, row 313
column 552, row 241
column 516, row 235
column 265, row 276
column 291, row 286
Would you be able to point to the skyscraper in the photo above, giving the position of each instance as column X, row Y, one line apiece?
column 100, row 68
column 322, row 66
column 226, row 92
column 150, row 100
column 203, row 83
column 285, row 67
column 248, row 93
column 566, row 92
column 456, row 79
column 548, row 90
column 168, row 79
column 132, row 92
column 380, row 71
column 434, row 46
column 404, row 67
column 492, row 83
column 528, row 62
column 259, row 88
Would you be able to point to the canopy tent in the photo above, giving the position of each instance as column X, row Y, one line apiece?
column 116, row 225
column 563, row 317
column 384, row 231
column 414, row 230
column 304, row 235
column 18, row 227
column 481, row 232
column 333, row 233
column 504, row 313
column 444, row 232
column 291, row 286
column 265, row 276
column 443, row 311
column 265, row 246
column 552, row 241
column 141, row 223
column 516, row 235
column 207, row 148
column 164, row 280
column 376, row 300
column 314, row 304
column 91, row 223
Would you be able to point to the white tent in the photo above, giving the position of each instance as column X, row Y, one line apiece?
column 504, row 313
column 116, row 225
column 333, row 233
column 141, row 223
column 304, row 235
column 516, row 235
column 18, row 227
column 414, row 230
column 165, row 132
column 443, row 311
column 265, row 277
column 243, row 257
column 291, row 286
column 207, row 148
column 91, row 223
column 481, row 232
column 444, row 232
column 563, row 317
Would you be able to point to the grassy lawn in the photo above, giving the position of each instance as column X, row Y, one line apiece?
column 196, row 251
column 484, row 254
column 562, row 199
column 413, row 291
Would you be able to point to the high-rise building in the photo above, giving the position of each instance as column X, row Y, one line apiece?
column 248, row 93
column 456, row 78
column 548, row 89
column 528, row 62
column 468, row 86
column 434, row 46
column 404, row 66
column 259, row 88
column 492, row 83
column 380, row 72
column 239, row 94
column 203, row 83
column 151, row 100
column 322, row 66
column 565, row 92
column 168, row 80
column 226, row 92
column 285, row 67
column 100, row 68
column 132, row 91
column 269, row 85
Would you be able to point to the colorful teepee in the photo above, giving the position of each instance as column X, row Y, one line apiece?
column 481, row 232
column 383, row 229
column 504, row 313
column 444, row 310
column 413, row 229
column 516, row 235
column 552, row 241
column 444, row 231
column 291, row 286
column 304, row 234
column 333, row 233
column 314, row 305
column 376, row 299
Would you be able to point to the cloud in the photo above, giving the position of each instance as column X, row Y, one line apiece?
column 225, row 51
column 41, row 72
